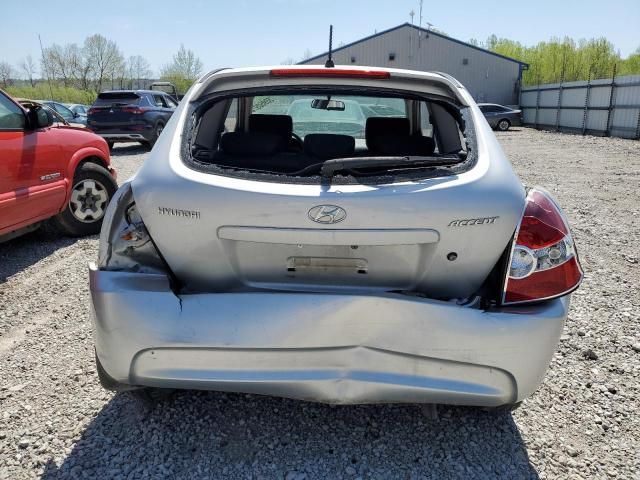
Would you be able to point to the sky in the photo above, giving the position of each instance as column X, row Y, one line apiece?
column 235, row 33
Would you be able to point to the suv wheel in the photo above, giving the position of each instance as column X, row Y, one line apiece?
column 93, row 187
column 503, row 125
column 157, row 130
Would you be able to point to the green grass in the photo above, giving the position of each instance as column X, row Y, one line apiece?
column 57, row 92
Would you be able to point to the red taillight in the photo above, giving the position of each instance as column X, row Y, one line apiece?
column 330, row 72
column 134, row 110
column 544, row 263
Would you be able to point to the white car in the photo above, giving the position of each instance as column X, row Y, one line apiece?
column 414, row 267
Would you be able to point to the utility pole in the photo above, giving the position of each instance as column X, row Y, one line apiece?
column 46, row 67
column 411, row 14
column 420, row 25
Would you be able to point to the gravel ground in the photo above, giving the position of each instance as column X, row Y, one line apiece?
column 583, row 422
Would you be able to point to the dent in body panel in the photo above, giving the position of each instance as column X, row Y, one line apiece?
column 382, row 333
column 342, row 375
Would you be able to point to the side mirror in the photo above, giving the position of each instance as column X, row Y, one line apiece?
column 40, row 117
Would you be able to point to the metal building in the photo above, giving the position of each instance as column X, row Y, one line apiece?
column 489, row 77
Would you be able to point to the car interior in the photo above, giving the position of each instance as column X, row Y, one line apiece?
column 287, row 134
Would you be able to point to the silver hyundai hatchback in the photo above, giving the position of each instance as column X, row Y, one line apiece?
column 322, row 254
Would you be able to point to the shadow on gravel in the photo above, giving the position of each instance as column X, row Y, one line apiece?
column 24, row 251
column 121, row 150
column 511, row 130
column 217, row 435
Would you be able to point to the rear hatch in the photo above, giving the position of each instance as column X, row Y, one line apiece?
column 116, row 111
column 440, row 236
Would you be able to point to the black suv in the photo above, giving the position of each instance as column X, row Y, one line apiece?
column 130, row 115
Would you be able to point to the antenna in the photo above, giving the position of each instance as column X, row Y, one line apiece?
column 330, row 63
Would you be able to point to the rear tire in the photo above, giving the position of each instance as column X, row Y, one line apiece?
column 93, row 188
column 503, row 125
column 157, row 130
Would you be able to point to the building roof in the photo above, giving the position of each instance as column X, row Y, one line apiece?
column 426, row 30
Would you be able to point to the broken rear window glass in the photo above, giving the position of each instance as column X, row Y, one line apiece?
column 297, row 134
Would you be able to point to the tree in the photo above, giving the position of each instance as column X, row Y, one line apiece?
column 119, row 73
column 48, row 64
column 85, row 72
column 6, row 72
column 307, row 54
column 288, row 61
column 138, row 69
column 28, row 66
column 183, row 70
column 563, row 59
column 492, row 41
column 63, row 62
column 631, row 65
column 104, row 57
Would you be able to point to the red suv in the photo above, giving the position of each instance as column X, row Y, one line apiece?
column 50, row 171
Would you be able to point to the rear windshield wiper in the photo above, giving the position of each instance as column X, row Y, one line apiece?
column 330, row 167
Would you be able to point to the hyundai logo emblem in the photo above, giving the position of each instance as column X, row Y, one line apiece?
column 327, row 214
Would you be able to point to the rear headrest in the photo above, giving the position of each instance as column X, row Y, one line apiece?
column 326, row 145
column 391, row 136
column 279, row 124
column 250, row 143
column 403, row 145
column 378, row 126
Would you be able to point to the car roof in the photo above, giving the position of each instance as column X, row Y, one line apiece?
column 134, row 91
column 397, row 71
column 438, row 82
column 49, row 101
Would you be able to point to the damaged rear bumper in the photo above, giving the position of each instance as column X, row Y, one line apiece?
column 335, row 348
